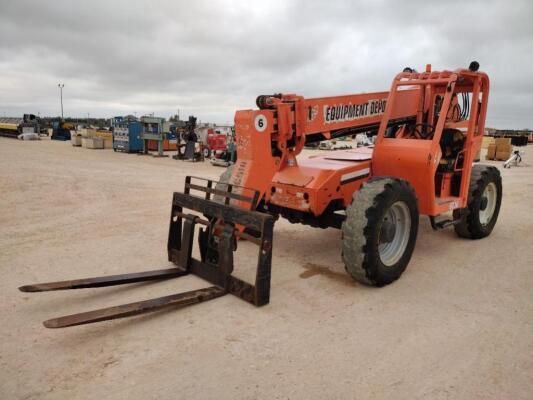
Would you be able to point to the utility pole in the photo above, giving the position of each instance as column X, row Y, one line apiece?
column 61, row 86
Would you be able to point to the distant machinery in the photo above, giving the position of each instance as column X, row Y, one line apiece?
column 12, row 127
column 518, row 137
column 188, row 149
column 61, row 129
column 215, row 142
column 152, row 132
column 223, row 150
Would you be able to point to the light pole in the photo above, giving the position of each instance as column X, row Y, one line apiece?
column 61, row 86
column 87, row 120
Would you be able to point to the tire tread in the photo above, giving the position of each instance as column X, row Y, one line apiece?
column 481, row 175
column 361, row 215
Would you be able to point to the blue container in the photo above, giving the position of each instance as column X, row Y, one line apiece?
column 127, row 136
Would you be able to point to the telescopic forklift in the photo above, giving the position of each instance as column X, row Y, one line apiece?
column 429, row 127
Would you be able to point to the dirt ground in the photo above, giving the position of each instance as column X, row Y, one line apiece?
column 457, row 325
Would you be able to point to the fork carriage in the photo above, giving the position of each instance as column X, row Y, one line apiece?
column 223, row 220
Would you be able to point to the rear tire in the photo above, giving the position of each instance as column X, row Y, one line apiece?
column 483, row 206
column 380, row 230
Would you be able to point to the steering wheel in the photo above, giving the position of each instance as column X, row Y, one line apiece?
column 423, row 131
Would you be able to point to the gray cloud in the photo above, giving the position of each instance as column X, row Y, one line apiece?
column 210, row 58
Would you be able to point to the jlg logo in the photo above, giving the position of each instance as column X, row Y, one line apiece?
column 350, row 112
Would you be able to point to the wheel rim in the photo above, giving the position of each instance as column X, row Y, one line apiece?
column 393, row 249
column 490, row 194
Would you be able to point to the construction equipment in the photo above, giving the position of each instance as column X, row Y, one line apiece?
column 13, row 127
column 216, row 142
column 152, row 131
column 224, row 151
column 188, row 149
column 61, row 129
column 9, row 127
column 515, row 159
column 374, row 195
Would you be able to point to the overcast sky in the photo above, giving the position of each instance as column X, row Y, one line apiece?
column 210, row 58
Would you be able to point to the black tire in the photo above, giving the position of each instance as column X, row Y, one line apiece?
column 364, row 224
column 471, row 226
column 207, row 152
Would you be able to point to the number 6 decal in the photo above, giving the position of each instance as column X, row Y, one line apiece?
column 260, row 123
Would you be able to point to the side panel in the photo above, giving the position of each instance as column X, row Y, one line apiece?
column 326, row 181
column 135, row 130
column 121, row 138
column 255, row 165
column 412, row 160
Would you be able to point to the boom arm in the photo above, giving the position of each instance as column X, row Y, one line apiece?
column 270, row 138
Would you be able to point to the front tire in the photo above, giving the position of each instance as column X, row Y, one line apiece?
column 380, row 230
column 483, row 206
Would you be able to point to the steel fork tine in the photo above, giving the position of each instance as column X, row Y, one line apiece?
column 139, row 307
column 102, row 281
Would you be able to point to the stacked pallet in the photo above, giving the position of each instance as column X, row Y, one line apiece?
column 500, row 150
column 92, row 143
column 93, row 139
column 106, row 136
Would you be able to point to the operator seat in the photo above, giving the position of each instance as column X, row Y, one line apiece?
column 451, row 144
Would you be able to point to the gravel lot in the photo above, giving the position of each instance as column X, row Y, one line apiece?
column 457, row 325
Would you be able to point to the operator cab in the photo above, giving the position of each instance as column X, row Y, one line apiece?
column 439, row 135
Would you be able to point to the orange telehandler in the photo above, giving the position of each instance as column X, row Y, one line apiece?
column 429, row 128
